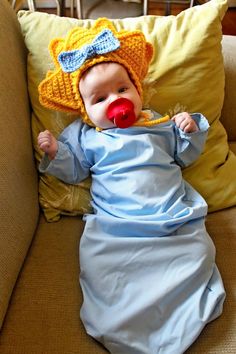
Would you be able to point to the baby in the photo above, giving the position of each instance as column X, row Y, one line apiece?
column 101, row 85
column 148, row 273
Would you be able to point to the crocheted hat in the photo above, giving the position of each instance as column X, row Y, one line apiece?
column 83, row 48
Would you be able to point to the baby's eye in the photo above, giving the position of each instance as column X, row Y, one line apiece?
column 100, row 99
column 122, row 89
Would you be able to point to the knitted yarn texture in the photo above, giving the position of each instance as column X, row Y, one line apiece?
column 83, row 48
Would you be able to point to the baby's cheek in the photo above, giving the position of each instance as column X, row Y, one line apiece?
column 138, row 107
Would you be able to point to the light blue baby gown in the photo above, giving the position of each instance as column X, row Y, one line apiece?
column 148, row 273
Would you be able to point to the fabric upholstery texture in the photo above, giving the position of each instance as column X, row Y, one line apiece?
column 51, row 280
column 230, row 93
column 186, row 74
column 123, row 47
column 221, row 225
column 19, row 215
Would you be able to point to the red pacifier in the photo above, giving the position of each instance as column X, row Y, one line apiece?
column 121, row 113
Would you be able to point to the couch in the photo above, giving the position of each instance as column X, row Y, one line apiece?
column 40, row 297
column 232, row 3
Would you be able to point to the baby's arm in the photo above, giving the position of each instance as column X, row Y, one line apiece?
column 191, row 132
column 64, row 157
column 48, row 144
column 185, row 122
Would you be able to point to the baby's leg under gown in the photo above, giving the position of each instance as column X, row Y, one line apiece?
column 147, row 294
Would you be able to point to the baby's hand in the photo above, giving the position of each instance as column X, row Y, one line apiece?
column 185, row 122
column 48, row 144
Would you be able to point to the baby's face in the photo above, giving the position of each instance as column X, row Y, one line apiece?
column 101, row 85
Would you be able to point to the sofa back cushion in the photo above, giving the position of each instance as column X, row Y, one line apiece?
column 228, row 117
column 18, row 178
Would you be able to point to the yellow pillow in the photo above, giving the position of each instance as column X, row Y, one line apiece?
column 187, row 73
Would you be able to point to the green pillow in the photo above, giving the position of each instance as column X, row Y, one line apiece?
column 186, row 74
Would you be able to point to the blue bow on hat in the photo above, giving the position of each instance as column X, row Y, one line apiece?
column 105, row 42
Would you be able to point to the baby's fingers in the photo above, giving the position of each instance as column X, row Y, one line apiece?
column 44, row 140
column 186, row 126
column 191, row 127
column 180, row 121
column 185, row 122
column 44, row 144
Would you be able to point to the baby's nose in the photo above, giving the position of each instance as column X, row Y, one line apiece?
column 113, row 97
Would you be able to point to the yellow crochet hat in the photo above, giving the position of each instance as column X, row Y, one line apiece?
column 83, row 48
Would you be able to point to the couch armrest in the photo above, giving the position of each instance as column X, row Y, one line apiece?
column 232, row 3
column 18, row 177
column 229, row 109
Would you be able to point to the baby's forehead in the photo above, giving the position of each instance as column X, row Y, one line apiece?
column 104, row 67
column 102, row 75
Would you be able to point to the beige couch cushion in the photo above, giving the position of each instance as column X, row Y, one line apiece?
column 44, row 313
column 232, row 3
column 219, row 336
column 229, row 107
column 18, row 179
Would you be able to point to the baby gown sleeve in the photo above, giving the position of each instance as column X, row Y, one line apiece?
column 70, row 164
column 190, row 145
